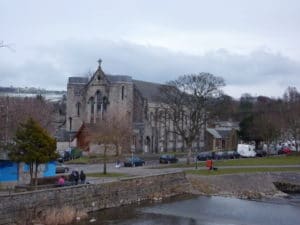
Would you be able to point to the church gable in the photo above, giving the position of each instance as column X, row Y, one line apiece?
column 99, row 78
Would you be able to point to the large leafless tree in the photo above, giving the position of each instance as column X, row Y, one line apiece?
column 112, row 132
column 186, row 102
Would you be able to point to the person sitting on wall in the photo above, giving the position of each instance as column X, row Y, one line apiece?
column 61, row 181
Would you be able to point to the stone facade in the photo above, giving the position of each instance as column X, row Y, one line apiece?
column 89, row 99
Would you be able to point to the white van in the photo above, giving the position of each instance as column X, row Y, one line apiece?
column 246, row 150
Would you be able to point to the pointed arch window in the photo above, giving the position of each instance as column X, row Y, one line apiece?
column 105, row 103
column 99, row 100
column 92, row 102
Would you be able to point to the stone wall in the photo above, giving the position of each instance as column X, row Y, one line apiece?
column 250, row 185
column 18, row 207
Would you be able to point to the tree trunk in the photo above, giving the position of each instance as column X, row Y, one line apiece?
column 104, row 160
column 117, row 150
column 189, row 153
column 31, row 173
column 35, row 174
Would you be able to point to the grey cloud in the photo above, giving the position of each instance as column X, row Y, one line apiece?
column 51, row 65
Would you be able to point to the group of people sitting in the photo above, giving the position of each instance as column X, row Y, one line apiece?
column 74, row 178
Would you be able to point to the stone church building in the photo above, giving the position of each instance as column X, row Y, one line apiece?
column 89, row 99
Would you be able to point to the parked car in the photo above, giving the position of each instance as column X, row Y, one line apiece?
column 134, row 161
column 260, row 152
column 202, row 156
column 70, row 153
column 233, row 155
column 168, row 159
column 61, row 168
column 221, row 155
column 284, row 150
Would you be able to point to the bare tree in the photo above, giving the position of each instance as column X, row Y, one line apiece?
column 186, row 101
column 112, row 131
column 292, row 111
column 14, row 111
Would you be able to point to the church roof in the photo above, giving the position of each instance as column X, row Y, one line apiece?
column 119, row 78
column 78, row 80
column 149, row 90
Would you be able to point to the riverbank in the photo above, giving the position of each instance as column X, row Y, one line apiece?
column 123, row 191
column 22, row 208
column 249, row 186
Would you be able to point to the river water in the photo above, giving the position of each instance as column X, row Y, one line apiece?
column 203, row 211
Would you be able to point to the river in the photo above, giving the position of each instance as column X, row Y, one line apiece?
column 203, row 211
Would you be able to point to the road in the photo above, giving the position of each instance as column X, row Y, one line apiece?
column 148, row 169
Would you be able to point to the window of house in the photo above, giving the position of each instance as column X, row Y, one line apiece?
column 223, row 144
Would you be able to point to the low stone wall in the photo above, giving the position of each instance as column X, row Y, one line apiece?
column 250, row 185
column 19, row 207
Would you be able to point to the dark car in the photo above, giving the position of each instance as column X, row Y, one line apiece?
column 233, row 155
column 221, row 155
column 71, row 153
column 134, row 161
column 202, row 156
column 61, row 168
column 260, row 152
column 168, row 159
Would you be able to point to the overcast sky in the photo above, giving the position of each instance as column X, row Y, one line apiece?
column 252, row 44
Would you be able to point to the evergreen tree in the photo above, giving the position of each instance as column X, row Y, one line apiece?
column 34, row 146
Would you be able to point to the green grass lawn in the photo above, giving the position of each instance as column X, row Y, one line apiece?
column 116, row 175
column 239, row 170
column 264, row 161
column 92, row 159
column 271, row 160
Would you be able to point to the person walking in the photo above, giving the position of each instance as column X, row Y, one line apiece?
column 82, row 177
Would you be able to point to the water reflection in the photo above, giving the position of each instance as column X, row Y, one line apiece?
column 205, row 211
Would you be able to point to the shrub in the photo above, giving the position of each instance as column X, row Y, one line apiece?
column 58, row 216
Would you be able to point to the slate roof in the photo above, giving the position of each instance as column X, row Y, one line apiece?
column 213, row 132
column 119, row 78
column 63, row 135
column 78, row 80
column 220, row 132
column 149, row 90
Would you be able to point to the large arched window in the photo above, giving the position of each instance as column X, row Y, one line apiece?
column 99, row 100
column 92, row 102
column 105, row 103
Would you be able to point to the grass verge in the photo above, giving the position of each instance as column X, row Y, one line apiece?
column 240, row 170
column 264, row 161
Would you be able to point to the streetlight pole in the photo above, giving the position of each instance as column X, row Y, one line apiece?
column 70, row 128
